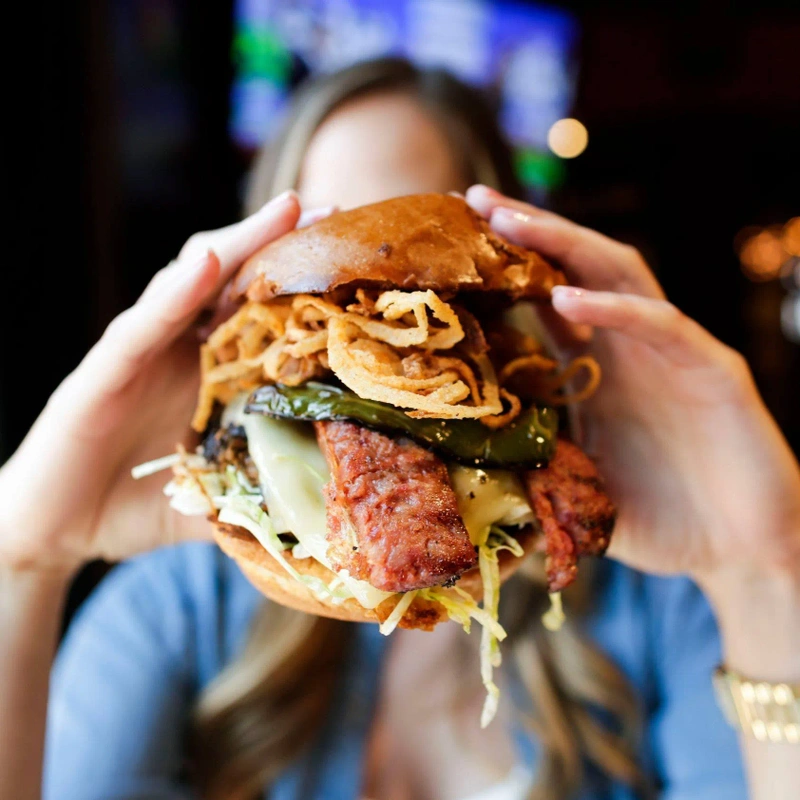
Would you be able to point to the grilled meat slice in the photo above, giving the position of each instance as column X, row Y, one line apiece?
column 575, row 514
column 392, row 514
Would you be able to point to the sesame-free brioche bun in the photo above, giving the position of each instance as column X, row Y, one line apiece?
column 420, row 241
column 273, row 581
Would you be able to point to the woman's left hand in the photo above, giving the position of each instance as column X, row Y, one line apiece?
column 704, row 481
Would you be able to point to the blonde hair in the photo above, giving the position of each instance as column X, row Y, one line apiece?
column 264, row 709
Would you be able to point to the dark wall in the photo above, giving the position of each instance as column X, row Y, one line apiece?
column 51, row 256
column 117, row 150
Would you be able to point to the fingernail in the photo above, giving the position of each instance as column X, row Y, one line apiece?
column 487, row 190
column 191, row 269
column 185, row 267
column 566, row 291
column 314, row 215
column 282, row 198
column 509, row 213
column 183, row 276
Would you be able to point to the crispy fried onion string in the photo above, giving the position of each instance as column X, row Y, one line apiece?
column 430, row 385
column 279, row 342
column 551, row 381
column 395, row 305
column 409, row 349
column 496, row 421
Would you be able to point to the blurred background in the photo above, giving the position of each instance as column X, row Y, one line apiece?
column 131, row 123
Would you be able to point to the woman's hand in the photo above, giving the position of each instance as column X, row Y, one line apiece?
column 704, row 481
column 67, row 493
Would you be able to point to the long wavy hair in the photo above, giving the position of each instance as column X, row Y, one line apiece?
column 264, row 709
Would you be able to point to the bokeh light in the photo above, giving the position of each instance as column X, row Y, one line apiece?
column 568, row 138
column 791, row 236
column 764, row 251
column 762, row 255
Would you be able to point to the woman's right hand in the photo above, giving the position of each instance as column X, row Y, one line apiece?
column 67, row 493
column 704, row 481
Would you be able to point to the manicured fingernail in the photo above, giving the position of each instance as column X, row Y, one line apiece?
column 487, row 190
column 509, row 214
column 282, row 198
column 314, row 215
column 184, row 275
column 190, row 270
column 188, row 267
column 566, row 291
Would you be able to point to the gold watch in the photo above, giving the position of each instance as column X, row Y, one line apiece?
column 769, row 712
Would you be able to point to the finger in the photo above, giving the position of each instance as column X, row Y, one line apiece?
column 312, row 215
column 651, row 321
column 234, row 243
column 589, row 258
column 565, row 337
column 484, row 200
column 158, row 279
column 153, row 323
column 271, row 221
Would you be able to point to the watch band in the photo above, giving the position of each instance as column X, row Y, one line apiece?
column 769, row 712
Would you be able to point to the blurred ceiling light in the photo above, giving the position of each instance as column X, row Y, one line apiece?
column 763, row 251
column 567, row 138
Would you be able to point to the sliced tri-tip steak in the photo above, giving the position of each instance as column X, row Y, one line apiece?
column 393, row 520
column 573, row 510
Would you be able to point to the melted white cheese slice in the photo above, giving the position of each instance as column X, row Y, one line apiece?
column 489, row 497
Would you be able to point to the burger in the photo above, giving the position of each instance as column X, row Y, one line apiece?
column 379, row 423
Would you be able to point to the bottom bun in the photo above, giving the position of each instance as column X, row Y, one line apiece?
column 273, row 581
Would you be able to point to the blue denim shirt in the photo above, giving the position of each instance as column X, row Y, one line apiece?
column 161, row 626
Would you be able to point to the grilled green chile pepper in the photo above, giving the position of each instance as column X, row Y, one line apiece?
column 528, row 441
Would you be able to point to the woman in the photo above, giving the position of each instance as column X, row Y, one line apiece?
column 176, row 680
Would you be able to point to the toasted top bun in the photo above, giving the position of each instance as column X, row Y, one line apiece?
column 421, row 241
column 273, row 581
